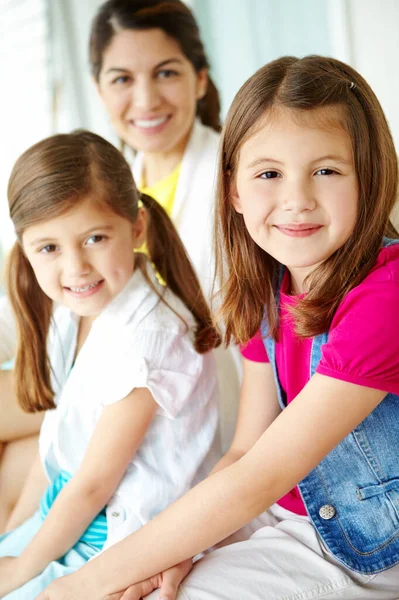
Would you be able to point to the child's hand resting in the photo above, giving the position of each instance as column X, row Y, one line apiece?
column 167, row 582
column 13, row 575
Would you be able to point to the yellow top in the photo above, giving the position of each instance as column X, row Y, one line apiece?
column 164, row 191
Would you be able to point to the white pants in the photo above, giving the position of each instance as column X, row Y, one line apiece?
column 279, row 556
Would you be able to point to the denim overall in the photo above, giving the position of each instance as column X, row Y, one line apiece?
column 352, row 496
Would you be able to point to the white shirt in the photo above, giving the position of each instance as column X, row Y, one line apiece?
column 137, row 341
column 193, row 215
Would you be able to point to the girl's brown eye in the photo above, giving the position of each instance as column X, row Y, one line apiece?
column 269, row 175
column 48, row 249
column 95, row 239
column 326, row 172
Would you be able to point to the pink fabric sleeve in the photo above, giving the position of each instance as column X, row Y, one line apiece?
column 255, row 349
column 363, row 344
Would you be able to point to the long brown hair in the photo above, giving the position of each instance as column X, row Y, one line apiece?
column 51, row 178
column 249, row 275
column 176, row 20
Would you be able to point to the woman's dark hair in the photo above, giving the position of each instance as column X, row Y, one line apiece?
column 171, row 16
column 50, row 179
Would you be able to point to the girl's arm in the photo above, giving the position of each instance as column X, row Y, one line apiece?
column 325, row 412
column 29, row 500
column 115, row 440
column 257, row 410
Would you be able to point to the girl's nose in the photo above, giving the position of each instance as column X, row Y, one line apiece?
column 75, row 264
column 299, row 197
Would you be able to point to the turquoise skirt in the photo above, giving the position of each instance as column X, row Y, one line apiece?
column 14, row 542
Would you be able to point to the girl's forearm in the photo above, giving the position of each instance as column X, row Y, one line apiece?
column 28, row 502
column 228, row 459
column 72, row 512
column 210, row 512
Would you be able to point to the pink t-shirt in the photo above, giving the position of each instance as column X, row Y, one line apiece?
column 362, row 346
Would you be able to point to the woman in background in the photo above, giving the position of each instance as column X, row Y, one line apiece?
column 151, row 72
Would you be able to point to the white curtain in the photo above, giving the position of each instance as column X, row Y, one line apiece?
column 75, row 98
column 25, row 115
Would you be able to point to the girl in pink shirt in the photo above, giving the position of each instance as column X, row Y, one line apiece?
column 309, row 264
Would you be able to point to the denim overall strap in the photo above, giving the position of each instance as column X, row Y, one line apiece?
column 389, row 242
column 270, row 345
column 315, row 354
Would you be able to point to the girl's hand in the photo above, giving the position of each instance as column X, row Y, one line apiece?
column 69, row 588
column 12, row 575
column 168, row 582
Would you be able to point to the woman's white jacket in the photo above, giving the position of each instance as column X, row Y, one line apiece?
column 194, row 203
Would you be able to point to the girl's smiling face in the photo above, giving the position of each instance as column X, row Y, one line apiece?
column 84, row 257
column 295, row 185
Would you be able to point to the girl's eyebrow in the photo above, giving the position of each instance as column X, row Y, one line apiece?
column 40, row 241
column 334, row 157
column 266, row 159
column 99, row 227
column 259, row 161
column 157, row 66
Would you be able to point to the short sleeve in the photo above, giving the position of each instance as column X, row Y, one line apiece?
column 8, row 335
column 165, row 362
column 255, row 349
column 363, row 343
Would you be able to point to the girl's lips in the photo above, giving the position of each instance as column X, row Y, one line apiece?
column 84, row 293
column 300, row 230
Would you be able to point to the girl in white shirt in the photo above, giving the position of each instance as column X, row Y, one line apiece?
column 119, row 361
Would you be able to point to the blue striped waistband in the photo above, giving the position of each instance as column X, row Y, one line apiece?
column 96, row 533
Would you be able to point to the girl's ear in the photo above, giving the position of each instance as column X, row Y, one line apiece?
column 202, row 83
column 234, row 196
column 140, row 228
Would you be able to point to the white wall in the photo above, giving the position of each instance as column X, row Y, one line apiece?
column 365, row 33
column 241, row 36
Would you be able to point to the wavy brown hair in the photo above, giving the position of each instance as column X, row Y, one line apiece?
column 48, row 180
column 248, row 275
column 175, row 19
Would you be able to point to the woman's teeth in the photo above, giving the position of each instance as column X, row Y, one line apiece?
column 148, row 123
